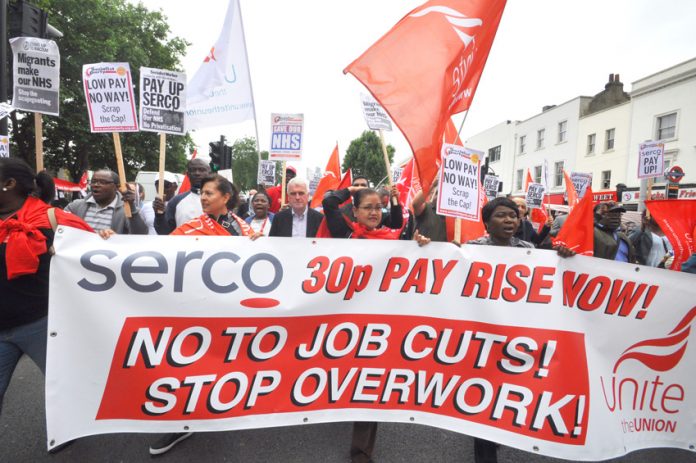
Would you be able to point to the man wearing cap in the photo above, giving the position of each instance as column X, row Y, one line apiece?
column 185, row 206
column 609, row 242
column 148, row 212
column 274, row 192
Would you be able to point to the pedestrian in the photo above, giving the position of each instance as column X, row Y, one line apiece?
column 261, row 218
column 367, row 209
column 526, row 231
column 103, row 209
column 609, row 242
column 147, row 210
column 651, row 245
column 428, row 221
column 297, row 220
column 274, row 192
column 185, row 206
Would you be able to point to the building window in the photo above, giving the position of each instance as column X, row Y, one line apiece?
column 537, row 174
column 666, row 126
column 606, row 179
column 540, row 138
column 562, row 128
column 494, row 154
column 609, row 140
column 518, row 179
column 591, row 138
column 523, row 143
column 558, row 174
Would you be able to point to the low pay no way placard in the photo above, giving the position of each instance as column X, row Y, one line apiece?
column 459, row 190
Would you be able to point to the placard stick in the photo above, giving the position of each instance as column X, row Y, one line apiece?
column 38, row 135
column 651, row 180
column 387, row 164
column 163, row 148
column 282, row 187
column 457, row 230
column 121, row 171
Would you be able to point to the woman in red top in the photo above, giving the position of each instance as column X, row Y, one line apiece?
column 27, row 226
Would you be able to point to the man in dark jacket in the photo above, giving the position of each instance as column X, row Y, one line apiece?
column 609, row 242
column 298, row 220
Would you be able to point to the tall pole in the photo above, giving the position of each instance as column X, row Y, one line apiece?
column 3, row 62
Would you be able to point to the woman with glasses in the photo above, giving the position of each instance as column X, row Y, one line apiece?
column 367, row 209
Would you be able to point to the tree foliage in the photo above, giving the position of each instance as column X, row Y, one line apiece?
column 102, row 31
column 245, row 163
column 364, row 156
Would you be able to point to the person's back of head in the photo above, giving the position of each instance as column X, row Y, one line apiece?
column 26, row 182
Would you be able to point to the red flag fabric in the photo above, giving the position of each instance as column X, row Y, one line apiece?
column 577, row 233
column 451, row 134
column 405, row 185
column 205, row 226
column 427, row 67
column 528, row 180
column 570, row 190
column 186, row 183
column 677, row 219
column 330, row 180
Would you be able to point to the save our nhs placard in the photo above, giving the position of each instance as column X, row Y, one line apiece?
column 286, row 137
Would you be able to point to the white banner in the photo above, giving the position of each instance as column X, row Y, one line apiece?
column 458, row 189
column 220, row 91
column 266, row 173
column 375, row 116
column 36, row 75
column 4, row 146
column 109, row 95
column 286, row 137
column 562, row 357
column 162, row 101
column 651, row 159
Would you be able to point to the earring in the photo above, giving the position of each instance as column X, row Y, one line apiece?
column 4, row 189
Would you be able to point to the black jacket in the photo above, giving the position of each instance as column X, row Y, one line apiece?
column 282, row 223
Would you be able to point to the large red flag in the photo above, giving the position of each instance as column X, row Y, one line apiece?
column 677, row 219
column 427, row 67
column 330, row 180
column 405, row 185
column 570, row 191
column 577, row 233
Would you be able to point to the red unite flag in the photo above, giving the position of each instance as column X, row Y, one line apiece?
column 570, row 190
column 677, row 219
column 577, row 233
column 427, row 68
column 330, row 180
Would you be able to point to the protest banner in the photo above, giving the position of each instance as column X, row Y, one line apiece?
column 375, row 116
column 490, row 186
column 535, row 196
column 286, row 137
column 162, row 101
column 36, row 75
column 651, row 159
column 109, row 96
column 581, row 181
column 518, row 346
column 4, row 146
column 5, row 110
column 396, row 174
column 458, row 190
column 266, row 173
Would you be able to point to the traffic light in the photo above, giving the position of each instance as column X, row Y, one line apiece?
column 216, row 155
column 27, row 20
column 226, row 157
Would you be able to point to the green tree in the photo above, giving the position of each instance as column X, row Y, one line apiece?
column 102, row 31
column 364, row 156
column 245, row 163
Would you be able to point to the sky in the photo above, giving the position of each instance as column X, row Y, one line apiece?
column 546, row 52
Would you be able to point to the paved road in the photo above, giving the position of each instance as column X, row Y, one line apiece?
column 23, row 437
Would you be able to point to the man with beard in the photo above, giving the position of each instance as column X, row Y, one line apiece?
column 103, row 208
column 185, row 206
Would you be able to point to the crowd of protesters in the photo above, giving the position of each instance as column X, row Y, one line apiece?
column 211, row 207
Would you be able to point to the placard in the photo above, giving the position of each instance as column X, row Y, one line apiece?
column 490, row 186
column 458, row 190
column 535, row 196
column 36, row 75
column 651, row 159
column 286, row 137
column 396, row 174
column 109, row 95
column 581, row 181
column 5, row 109
column 375, row 116
column 162, row 101
column 266, row 173
column 4, row 146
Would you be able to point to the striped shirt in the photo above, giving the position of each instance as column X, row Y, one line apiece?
column 99, row 218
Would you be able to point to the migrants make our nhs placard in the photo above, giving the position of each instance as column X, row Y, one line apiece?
column 109, row 95
column 162, row 101
column 459, row 190
column 36, row 75
column 286, row 137
column 375, row 116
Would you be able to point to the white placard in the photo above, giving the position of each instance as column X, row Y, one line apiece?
column 109, row 95
column 396, row 175
column 490, row 186
column 535, row 195
column 581, row 181
column 459, row 191
column 266, row 173
column 651, row 159
column 5, row 109
column 162, row 101
column 4, row 146
column 36, row 75
column 286, row 137
column 375, row 116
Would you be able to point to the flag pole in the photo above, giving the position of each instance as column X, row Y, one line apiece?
column 282, row 187
column 121, row 171
column 38, row 136
column 251, row 86
column 162, row 157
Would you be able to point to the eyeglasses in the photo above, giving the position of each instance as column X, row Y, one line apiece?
column 370, row 208
column 101, row 182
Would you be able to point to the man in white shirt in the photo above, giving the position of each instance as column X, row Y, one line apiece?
column 185, row 206
column 298, row 220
